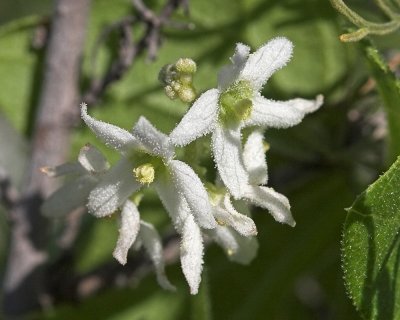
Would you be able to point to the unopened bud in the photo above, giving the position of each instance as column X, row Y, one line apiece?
column 186, row 65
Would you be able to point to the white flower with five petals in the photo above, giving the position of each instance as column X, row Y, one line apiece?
column 147, row 158
column 237, row 103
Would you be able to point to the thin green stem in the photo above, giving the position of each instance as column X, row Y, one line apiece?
column 387, row 8
column 355, row 18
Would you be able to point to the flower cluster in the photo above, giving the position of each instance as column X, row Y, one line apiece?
column 148, row 160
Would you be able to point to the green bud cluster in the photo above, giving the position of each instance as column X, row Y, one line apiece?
column 178, row 80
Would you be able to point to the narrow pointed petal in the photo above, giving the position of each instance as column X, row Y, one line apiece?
column 276, row 203
column 115, row 187
column 229, row 73
column 152, row 244
column 227, row 152
column 280, row 114
column 92, row 160
column 227, row 214
column 153, row 140
column 70, row 196
column 113, row 136
column 254, row 158
column 261, row 64
column 191, row 187
column 128, row 231
column 198, row 121
column 173, row 202
column 192, row 254
column 63, row 169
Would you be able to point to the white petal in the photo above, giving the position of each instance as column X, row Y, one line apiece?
column 223, row 236
column 229, row 73
column 192, row 254
column 152, row 244
column 63, row 169
column 92, row 160
column 70, row 196
column 261, row 64
column 227, row 152
column 240, row 222
column 153, row 140
column 191, row 187
column 306, row 106
column 238, row 248
column 254, row 158
column 280, row 114
column 117, row 185
column 128, row 231
column 173, row 202
column 276, row 203
column 199, row 120
column 247, row 249
column 113, row 136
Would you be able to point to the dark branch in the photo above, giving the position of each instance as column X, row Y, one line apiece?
column 128, row 49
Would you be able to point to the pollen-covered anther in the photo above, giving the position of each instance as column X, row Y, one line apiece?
column 144, row 173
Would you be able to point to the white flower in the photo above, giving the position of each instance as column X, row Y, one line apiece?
column 132, row 229
column 89, row 168
column 237, row 103
column 147, row 158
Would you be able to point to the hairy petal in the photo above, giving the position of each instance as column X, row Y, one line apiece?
column 227, row 214
column 173, row 201
column 92, row 160
column 280, row 114
column 192, row 254
column 114, row 188
column 153, row 140
column 113, row 136
column 70, row 196
column 199, row 120
column 254, row 158
column 153, row 246
column 269, row 58
column 276, row 203
column 227, row 152
column 230, row 73
column 129, row 229
column 191, row 187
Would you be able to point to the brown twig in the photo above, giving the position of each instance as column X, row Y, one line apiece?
column 24, row 277
column 128, row 49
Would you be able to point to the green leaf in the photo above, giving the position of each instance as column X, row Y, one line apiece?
column 389, row 91
column 371, row 251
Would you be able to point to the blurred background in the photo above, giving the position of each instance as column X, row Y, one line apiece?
column 320, row 165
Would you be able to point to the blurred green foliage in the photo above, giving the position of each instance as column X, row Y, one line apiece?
column 319, row 165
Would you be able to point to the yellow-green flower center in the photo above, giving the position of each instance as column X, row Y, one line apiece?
column 147, row 167
column 144, row 173
column 235, row 103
